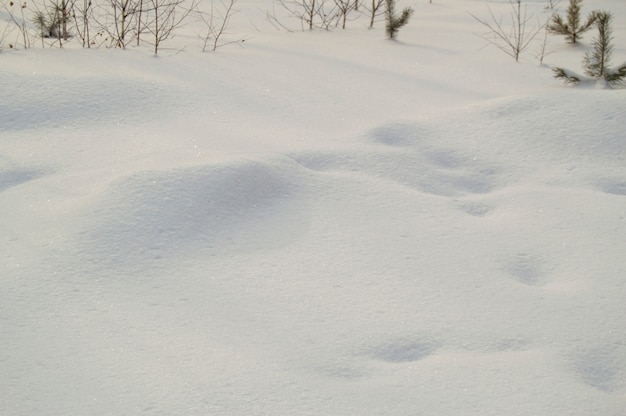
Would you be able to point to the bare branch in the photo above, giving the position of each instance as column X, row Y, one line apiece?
column 18, row 22
column 517, row 38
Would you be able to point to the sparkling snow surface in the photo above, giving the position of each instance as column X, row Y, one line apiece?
column 315, row 223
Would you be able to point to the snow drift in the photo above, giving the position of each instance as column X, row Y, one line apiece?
column 236, row 236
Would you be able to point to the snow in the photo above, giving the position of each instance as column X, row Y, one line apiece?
column 314, row 223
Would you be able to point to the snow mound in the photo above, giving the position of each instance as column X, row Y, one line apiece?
column 398, row 134
column 601, row 367
column 242, row 205
column 14, row 177
column 409, row 156
column 556, row 127
column 293, row 227
column 74, row 96
column 612, row 186
column 405, row 351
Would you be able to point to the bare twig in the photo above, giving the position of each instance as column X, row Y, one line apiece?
column 19, row 22
column 345, row 7
column 514, row 40
column 4, row 35
column 82, row 20
column 215, row 29
column 543, row 49
column 375, row 11
column 311, row 13
column 274, row 21
column 167, row 16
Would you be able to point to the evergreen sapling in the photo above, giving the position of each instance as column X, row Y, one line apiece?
column 596, row 62
column 395, row 22
column 572, row 28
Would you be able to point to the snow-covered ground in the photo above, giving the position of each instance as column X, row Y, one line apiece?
column 315, row 223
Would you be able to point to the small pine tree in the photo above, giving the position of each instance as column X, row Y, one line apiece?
column 572, row 28
column 596, row 62
column 566, row 75
column 47, row 25
column 616, row 76
column 395, row 22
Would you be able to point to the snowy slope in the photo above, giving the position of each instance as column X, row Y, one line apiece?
column 320, row 223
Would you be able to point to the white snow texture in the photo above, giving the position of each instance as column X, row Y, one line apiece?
column 319, row 223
